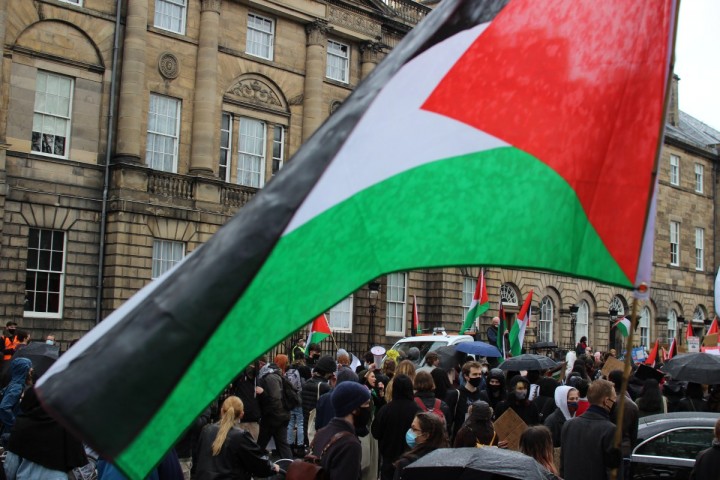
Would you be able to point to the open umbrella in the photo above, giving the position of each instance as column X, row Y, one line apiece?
column 448, row 357
column 477, row 464
column 694, row 367
column 528, row 361
column 40, row 354
column 478, row 348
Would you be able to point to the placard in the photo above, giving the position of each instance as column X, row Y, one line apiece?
column 510, row 427
column 638, row 354
column 611, row 364
column 710, row 340
column 693, row 344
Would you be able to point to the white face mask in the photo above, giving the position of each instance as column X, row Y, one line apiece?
column 484, row 369
column 50, row 342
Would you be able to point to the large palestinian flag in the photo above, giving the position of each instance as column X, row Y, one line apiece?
column 489, row 115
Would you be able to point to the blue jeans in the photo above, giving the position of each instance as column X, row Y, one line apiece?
column 296, row 422
column 17, row 468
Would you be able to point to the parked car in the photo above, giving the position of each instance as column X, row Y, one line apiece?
column 429, row 343
column 668, row 444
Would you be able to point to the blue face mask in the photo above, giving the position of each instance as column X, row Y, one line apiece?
column 410, row 438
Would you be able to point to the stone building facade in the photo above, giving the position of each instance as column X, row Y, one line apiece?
column 131, row 131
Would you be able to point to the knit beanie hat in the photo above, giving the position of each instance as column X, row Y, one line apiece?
column 348, row 396
column 346, row 375
column 326, row 364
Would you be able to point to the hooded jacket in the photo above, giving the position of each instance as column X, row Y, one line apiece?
column 525, row 409
column 557, row 419
column 9, row 406
column 273, row 412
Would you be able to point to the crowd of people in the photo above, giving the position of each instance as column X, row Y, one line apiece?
column 373, row 421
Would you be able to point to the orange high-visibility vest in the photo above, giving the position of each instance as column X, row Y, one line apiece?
column 10, row 343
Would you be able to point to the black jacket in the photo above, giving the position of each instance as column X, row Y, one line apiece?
column 390, row 425
column 428, row 399
column 273, row 412
column 239, row 458
column 465, row 399
column 342, row 460
column 555, row 423
column 707, row 463
column 587, row 446
column 310, row 392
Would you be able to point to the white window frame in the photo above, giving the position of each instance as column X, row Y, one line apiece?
column 50, row 271
column 161, row 16
column 467, row 295
column 582, row 321
column 46, row 118
column 225, row 154
column 165, row 255
column 278, row 148
column 699, row 178
column 338, row 62
column 508, row 295
column 340, row 316
column 255, row 35
column 73, row 2
column 545, row 321
column 675, row 244
column 247, row 153
column 674, row 170
column 396, row 311
column 644, row 324
column 699, row 249
column 158, row 137
column 672, row 325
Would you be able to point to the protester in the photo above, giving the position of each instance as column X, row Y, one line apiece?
column 186, row 447
column 298, row 351
column 275, row 417
column 20, row 379
column 707, row 463
column 295, row 428
column 246, row 388
column 536, row 442
column 693, row 400
column 587, row 450
column 313, row 354
column 227, row 451
column 713, row 400
column 492, row 331
column 392, row 422
column 566, row 399
column 478, row 430
column 426, row 433
column 445, row 391
column 469, row 392
column 10, row 340
column 581, row 346
column 324, row 409
column 545, row 401
column 517, row 399
column 342, row 458
column 432, row 361
column 651, row 400
column 496, row 392
column 315, row 387
column 405, row 367
column 630, row 421
column 377, row 389
column 425, row 397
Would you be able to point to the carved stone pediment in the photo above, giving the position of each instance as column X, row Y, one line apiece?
column 255, row 91
column 354, row 21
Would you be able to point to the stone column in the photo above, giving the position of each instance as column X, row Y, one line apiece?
column 132, row 83
column 371, row 53
column 203, row 155
column 314, row 76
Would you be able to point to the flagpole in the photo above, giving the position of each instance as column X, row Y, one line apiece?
column 623, row 387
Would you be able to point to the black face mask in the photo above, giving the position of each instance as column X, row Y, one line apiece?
column 362, row 418
column 475, row 382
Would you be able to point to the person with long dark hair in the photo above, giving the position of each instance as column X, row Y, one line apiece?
column 227, row 451
column 651, row 400
column 478, row 430
column 427, row 433
column 536, row 442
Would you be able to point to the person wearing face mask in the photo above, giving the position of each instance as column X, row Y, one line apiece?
column 631, row 418
column 426, row 434
column 10, row 340
column 566, row 399
column 588, row 450
column 495, row 392
column 342, row 460
column 470, row 392
column 478, row 429
column 517, row 399
column 245, row 386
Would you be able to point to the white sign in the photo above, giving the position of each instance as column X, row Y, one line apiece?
column 693, row 344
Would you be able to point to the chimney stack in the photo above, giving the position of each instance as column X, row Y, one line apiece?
column 673, row 113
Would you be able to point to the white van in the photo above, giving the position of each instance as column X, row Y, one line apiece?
column 429, row 343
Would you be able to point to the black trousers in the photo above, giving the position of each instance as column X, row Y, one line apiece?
column 277, row 433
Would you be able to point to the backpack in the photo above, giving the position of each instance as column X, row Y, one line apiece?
column 290, row 395
column 294, row 377
column 434, row 410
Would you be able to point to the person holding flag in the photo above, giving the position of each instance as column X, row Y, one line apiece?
column 517, row 333
column 480, row 303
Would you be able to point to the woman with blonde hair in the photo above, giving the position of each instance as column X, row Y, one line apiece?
column 406, row 367
column 227, row 451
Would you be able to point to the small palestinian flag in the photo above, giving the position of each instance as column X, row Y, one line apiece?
column 517, row 332
column 319, row 330
column 623, row 326
column 480, row 303
column 440, row 142
column 415, row 318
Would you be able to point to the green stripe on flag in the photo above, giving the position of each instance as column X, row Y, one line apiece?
column 381, row 230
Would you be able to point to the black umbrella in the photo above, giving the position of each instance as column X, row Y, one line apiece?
column 528, row 361
column 694, row 367
column 448, row 357
column 40, row 354
column 488, row 463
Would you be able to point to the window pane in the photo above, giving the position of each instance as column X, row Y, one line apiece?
column 51, row 118
column 45, row 271
column 166, row 254
column 163, row 136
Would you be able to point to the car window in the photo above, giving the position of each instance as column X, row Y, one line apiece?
column 681, row 443
column 424, row 347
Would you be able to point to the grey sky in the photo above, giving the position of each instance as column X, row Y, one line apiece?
column 697, row 60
